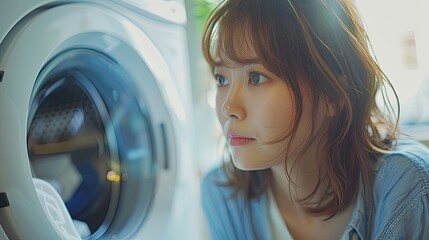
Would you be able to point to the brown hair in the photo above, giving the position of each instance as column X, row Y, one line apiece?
column 324, row 40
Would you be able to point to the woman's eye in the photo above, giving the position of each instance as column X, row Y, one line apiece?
column 221, row 80
column 257, row 79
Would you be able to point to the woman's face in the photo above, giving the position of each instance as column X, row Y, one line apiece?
column 255, row 108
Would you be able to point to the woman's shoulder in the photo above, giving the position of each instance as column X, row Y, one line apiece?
column 216, row 174
column 409, row 157
column 215, row 187
column 401, row 191
column 407, row 166
column 226, row 212
column 215, row 179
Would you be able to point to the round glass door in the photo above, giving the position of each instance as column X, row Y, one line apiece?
column 90, row 137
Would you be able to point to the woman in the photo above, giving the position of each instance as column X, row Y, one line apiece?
column 313, row 156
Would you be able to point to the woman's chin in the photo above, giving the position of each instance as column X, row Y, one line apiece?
column 244, row 165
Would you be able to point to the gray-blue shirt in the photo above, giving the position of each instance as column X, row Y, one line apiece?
column 399, row 210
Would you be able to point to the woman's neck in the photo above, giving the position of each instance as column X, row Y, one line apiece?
column 305, row 185
column 298, row 193
column 292, row 198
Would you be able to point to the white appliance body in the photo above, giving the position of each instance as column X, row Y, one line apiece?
column 124, row 66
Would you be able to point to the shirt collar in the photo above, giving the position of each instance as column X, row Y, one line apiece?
column 359, row 222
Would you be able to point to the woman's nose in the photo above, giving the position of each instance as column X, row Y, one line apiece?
column 233, row 106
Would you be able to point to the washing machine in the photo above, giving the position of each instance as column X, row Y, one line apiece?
column 95, row 120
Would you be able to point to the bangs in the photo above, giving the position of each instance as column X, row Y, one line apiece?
column 236, row 42
column 242, row 31
column 232, row 40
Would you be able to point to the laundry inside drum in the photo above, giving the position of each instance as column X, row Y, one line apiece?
column 68, row 148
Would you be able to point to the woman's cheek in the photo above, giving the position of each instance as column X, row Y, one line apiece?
column 275, row 116
column 220, row 98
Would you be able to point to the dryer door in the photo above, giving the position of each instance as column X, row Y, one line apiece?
column 83, row 108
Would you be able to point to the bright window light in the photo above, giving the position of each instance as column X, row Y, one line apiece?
column 400, row 39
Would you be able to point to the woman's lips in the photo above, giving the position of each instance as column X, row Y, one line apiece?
column 238, row 141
